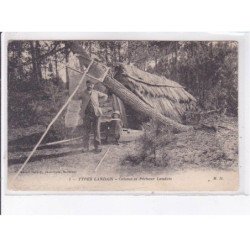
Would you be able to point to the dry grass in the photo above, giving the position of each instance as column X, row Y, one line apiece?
column 167, row 96
column 192, row 149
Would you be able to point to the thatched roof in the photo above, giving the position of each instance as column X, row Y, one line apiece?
column 167, row 96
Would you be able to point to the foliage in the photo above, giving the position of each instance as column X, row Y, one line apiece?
column 208, row 70
column 150, row 146
column 202, row 147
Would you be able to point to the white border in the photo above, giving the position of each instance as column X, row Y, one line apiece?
column 35, row 203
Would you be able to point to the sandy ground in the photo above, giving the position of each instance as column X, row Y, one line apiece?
column 78, row 171
column 197, row 161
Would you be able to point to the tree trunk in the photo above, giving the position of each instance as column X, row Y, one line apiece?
column 90, row 48
column 176, row 62
column 137, row 104
column 119, row 51
column 106, row 52
column 36, row 70
column 56, row 67
column 38, row 61
column 19, row 61
column 67, row 70
column 129, row 97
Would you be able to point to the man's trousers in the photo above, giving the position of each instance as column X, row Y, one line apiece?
column 91, row 124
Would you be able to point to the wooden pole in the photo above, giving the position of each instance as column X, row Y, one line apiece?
column 51, row 123
column 100, row 162
column 59, row 142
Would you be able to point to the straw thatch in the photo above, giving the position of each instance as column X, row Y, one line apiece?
column 166, row 96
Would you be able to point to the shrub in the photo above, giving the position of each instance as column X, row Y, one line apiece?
column 151, row 151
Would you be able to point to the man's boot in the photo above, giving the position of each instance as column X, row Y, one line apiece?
column 97, row 148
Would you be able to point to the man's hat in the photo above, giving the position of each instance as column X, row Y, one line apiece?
column 89, row 82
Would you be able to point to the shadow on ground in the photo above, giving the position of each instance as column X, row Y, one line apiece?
column 44, row 157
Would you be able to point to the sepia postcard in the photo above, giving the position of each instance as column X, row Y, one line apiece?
column 128, row 115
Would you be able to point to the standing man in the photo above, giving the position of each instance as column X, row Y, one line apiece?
column 91, row 113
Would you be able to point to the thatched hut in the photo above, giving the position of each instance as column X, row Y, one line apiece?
column 166, row 96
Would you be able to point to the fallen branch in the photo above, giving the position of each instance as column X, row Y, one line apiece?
column 227, row 127
column 206, row 127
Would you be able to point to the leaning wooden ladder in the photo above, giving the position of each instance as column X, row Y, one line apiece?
column 52, row 122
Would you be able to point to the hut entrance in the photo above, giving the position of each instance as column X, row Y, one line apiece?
column 134, row 119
